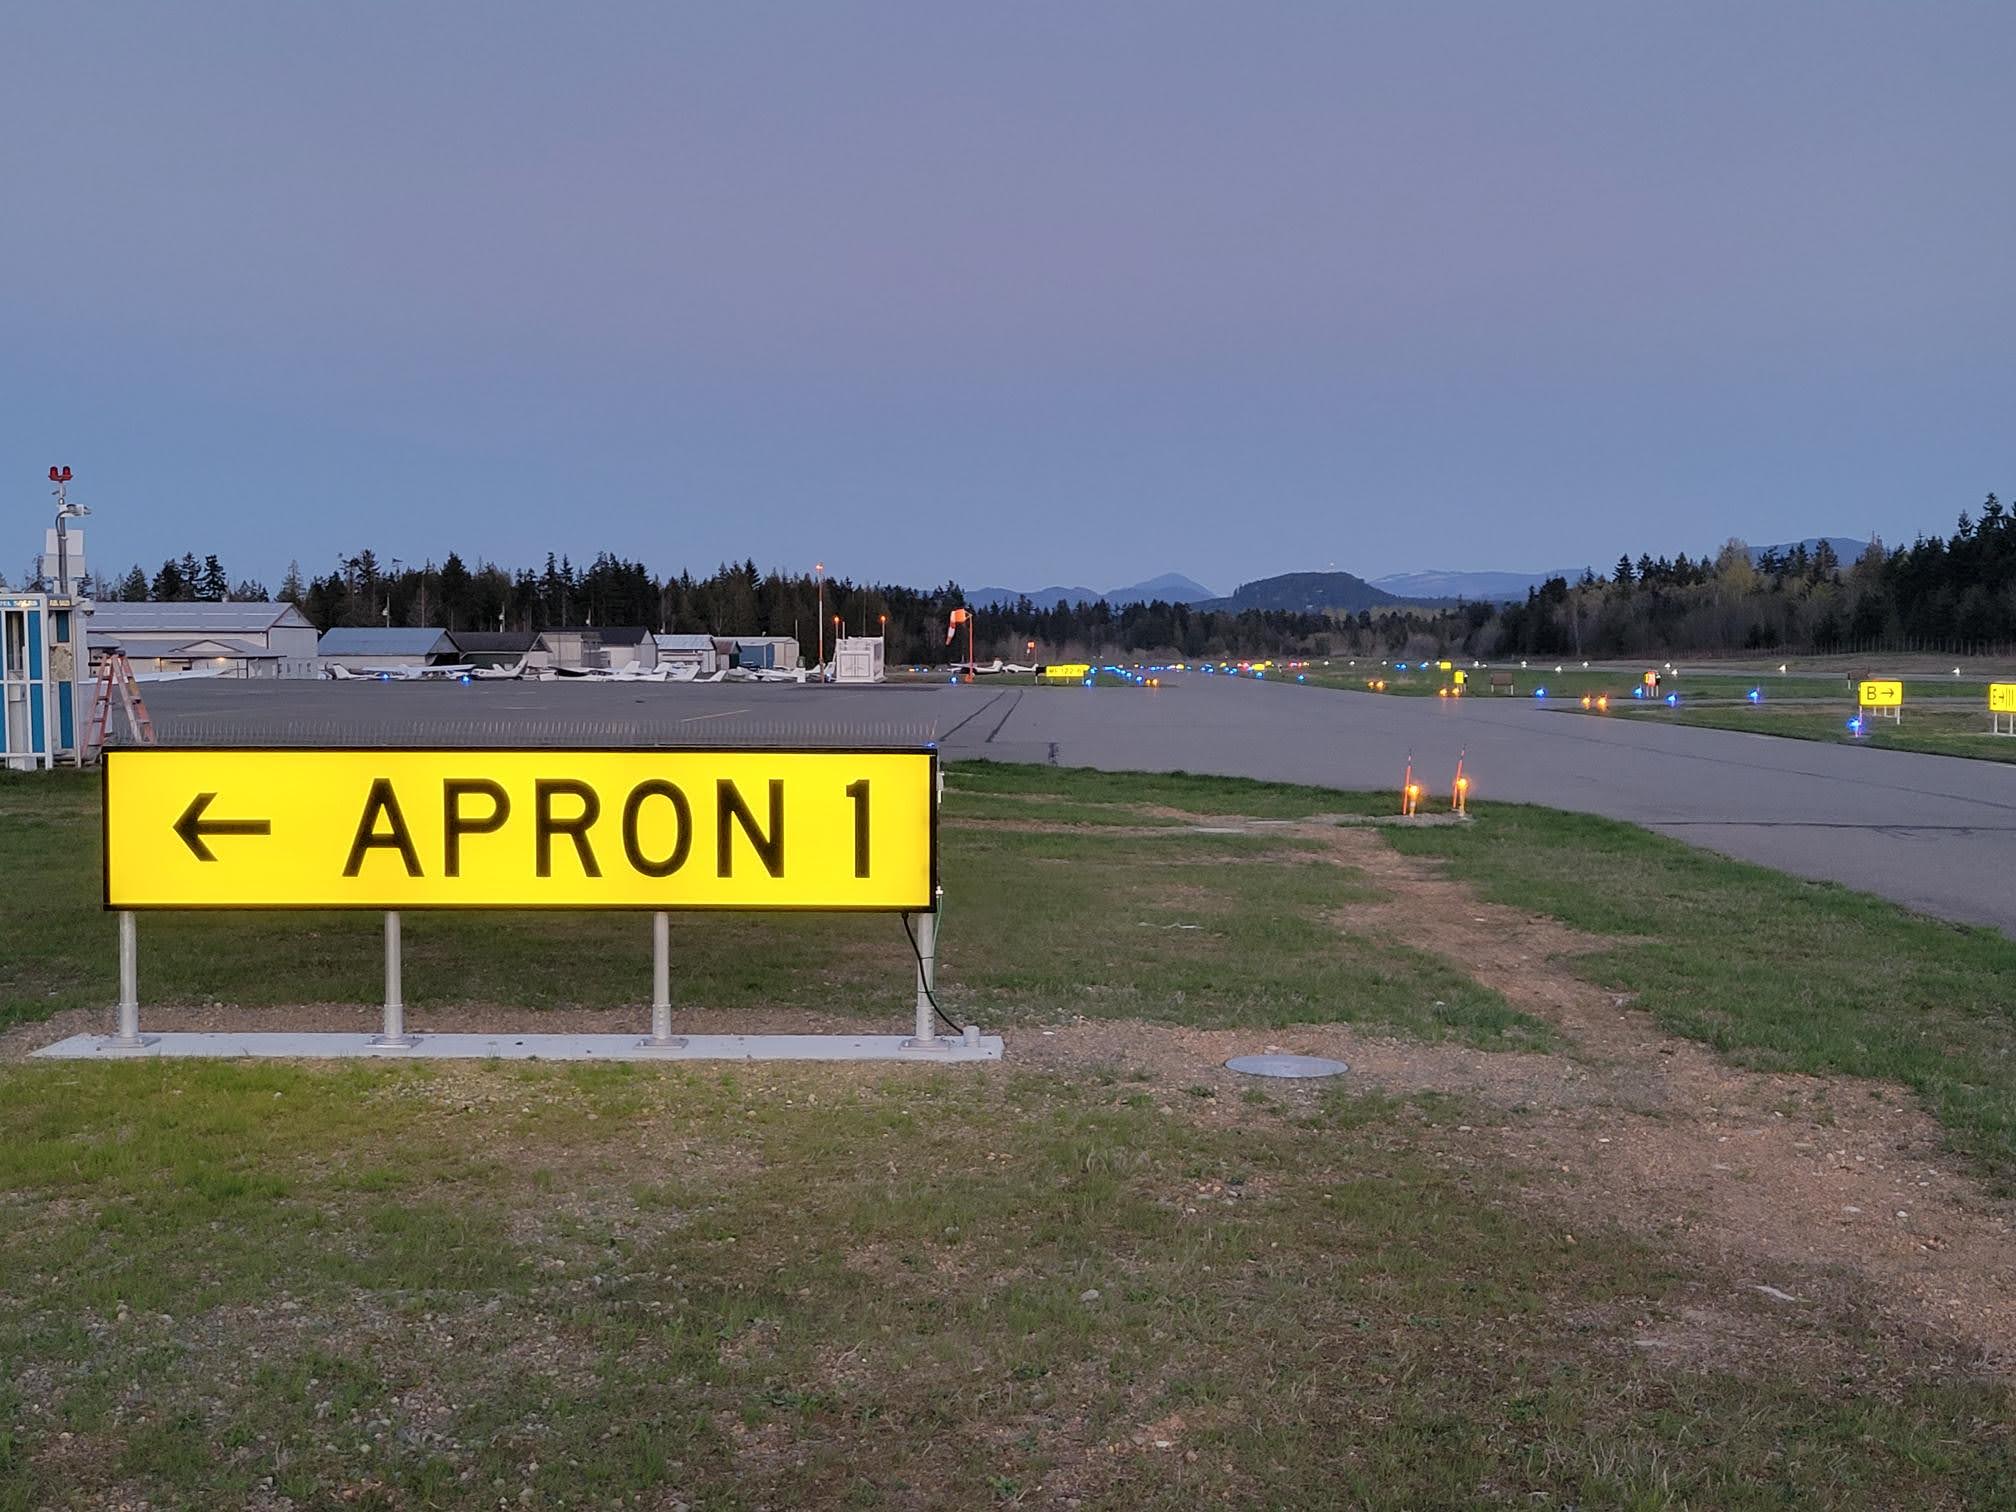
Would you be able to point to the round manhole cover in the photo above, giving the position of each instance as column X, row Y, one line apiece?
column 1286, row 1065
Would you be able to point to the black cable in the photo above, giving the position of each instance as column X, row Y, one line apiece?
column 924, row 977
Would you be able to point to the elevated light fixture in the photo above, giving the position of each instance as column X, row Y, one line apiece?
column 65, row 512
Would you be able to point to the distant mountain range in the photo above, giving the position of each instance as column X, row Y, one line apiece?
column 1170, row 588
column 1342, row 592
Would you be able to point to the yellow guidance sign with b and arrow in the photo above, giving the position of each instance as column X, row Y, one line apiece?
column 730, row 829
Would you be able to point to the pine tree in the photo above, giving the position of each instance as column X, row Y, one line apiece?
column 455, row 585
column 134, row 589
column 212, row 586
column 290, row 586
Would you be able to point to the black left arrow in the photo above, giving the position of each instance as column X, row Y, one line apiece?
column 192, row 826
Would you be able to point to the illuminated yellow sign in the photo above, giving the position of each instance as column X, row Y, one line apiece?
column 650, row 829
column 1076, row 671
column 2002, row 698
column 1444, row 666
column 1880, row 695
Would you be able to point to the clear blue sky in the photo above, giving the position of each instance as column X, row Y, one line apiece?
column 1007, row 293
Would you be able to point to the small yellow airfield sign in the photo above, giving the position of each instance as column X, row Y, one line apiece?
column 2002, row 698
column 1880, row 694
column 663, row 829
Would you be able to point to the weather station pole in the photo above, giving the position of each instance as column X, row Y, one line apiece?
column 65, row 513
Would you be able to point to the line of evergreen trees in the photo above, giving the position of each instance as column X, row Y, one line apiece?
column 1953, row 594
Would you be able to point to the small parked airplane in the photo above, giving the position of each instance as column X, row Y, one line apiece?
column 460, row 671
column 503, row 674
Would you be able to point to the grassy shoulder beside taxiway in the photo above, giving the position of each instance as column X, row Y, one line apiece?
column 1930, row 729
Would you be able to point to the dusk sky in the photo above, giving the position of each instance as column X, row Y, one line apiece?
column 1006, row 294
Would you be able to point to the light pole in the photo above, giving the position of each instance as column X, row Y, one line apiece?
column 65, row 513
column 820, row 569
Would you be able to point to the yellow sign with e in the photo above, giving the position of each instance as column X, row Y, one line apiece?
column 1880, row 695
column 2002, row 698
column 395, row 829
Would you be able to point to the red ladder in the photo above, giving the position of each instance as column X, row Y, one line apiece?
column 115, row 675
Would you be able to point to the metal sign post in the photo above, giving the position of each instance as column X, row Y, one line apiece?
column 661, row 1036
column 128, row 1035
column 926, row 1038
column 394, row 1036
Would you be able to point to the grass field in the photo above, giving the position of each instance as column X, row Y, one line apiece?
column 1935, row 730
column 1103, row 1276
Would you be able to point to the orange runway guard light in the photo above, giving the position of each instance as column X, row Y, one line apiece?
column 1603, row 703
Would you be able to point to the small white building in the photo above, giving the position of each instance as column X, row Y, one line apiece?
column 245, row 639
column 695, row 651
column 859, row 659
column 379, row 648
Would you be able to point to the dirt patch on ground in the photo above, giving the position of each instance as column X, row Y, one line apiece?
column 1786, row 1177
